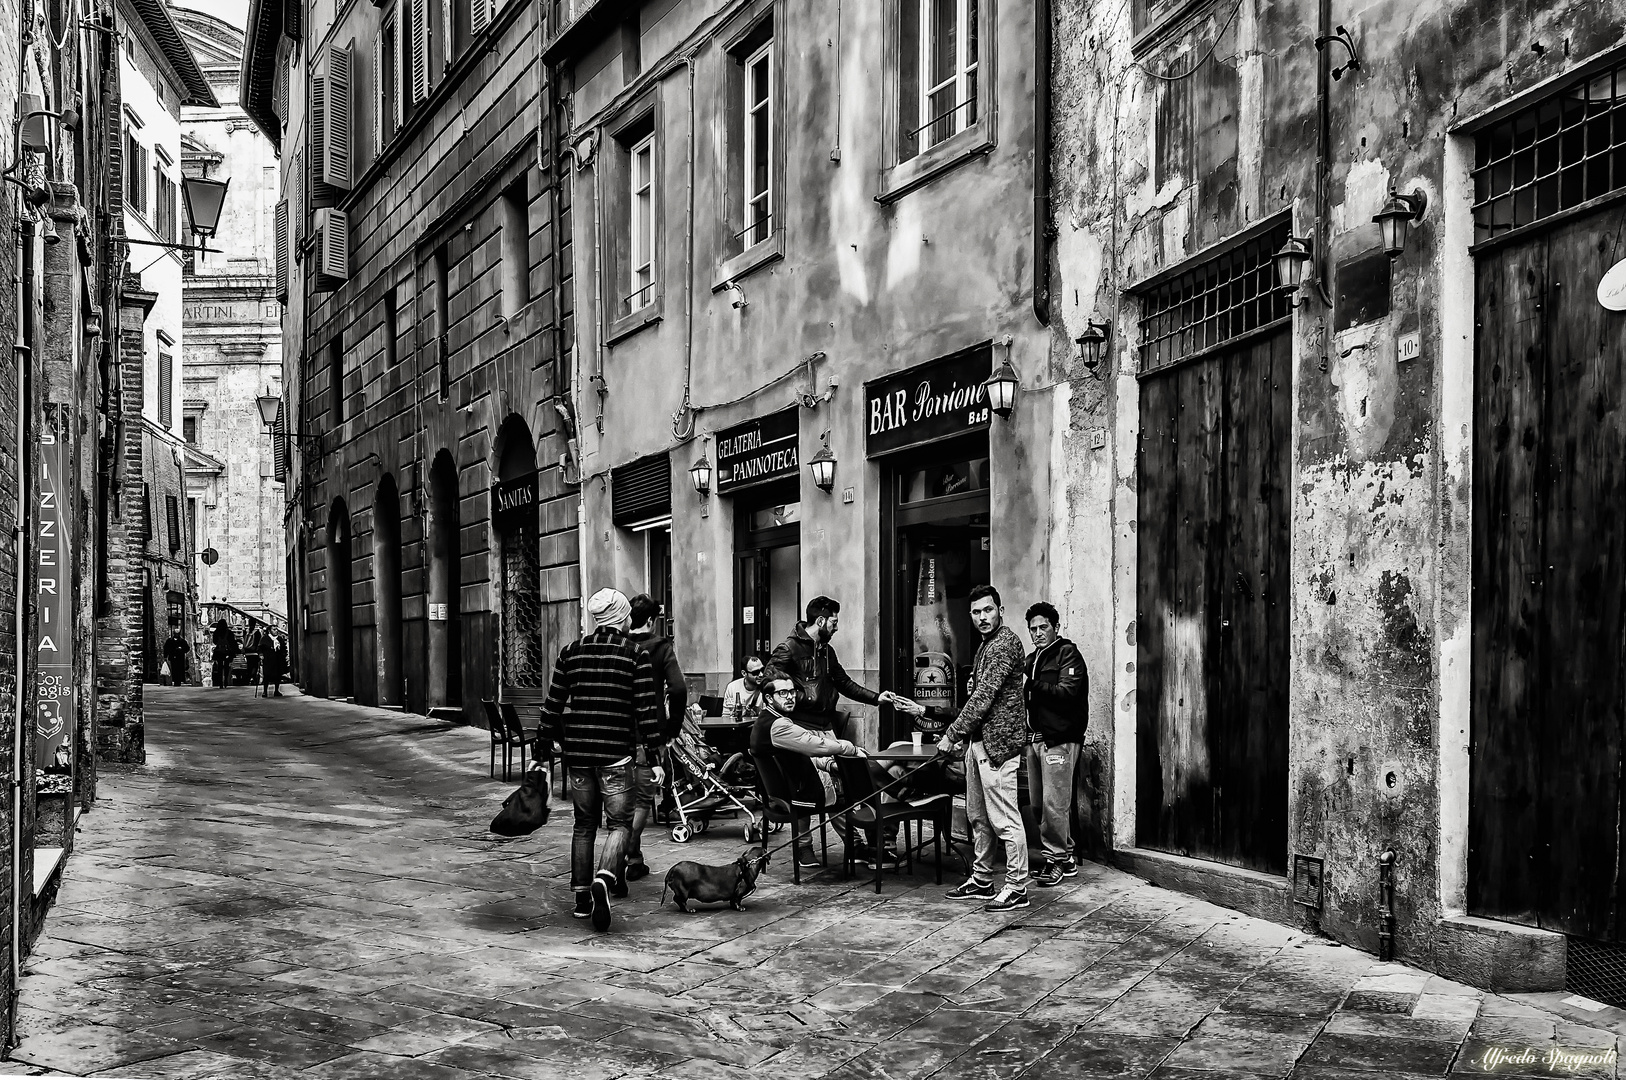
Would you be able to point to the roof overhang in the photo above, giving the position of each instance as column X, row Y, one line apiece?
column 588, row 29
column 257, row 81
column 195, row 89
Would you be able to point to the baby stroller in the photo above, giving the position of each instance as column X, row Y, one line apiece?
column 700, row 791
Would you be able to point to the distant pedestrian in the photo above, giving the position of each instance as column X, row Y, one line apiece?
column 600, row 710
column 251, row 650
column 224, row 640
column 994, row 722
column 1056, row 693
column 673, row 694
column 176, row 651
column 273, row 660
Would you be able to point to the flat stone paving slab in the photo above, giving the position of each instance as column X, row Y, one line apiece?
column 299, row 888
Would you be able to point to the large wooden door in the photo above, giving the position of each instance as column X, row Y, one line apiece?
column 1212, row 628
column 1549, row 569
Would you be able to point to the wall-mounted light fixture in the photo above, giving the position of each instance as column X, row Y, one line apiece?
column 823, row 466
column 1396, row 218
column 270, row 405
column 1092, row 346
column 700, row 476
column 738, row 301
column 1295, row 266
column 1003, row 384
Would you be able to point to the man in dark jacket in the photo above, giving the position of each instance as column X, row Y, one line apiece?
column 673, row 692
column 807, row 659
column 176, row 650
column 601, row 709
column 1057, row 692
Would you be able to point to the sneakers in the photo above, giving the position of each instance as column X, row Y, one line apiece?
column 806, row 856
column 1007, row 900
column 972, row 889
column 601, row 901
column 637, row 870
column 1049, row 875
column 619, row 890
column 584, row 905
column 1069, row 867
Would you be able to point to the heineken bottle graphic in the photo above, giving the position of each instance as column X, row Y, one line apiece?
column 934, row 641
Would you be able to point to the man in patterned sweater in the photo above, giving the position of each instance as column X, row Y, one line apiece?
column 602, row 712
column 994, row 720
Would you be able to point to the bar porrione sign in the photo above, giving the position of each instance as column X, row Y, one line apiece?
column 933, row 401
column 757, row 452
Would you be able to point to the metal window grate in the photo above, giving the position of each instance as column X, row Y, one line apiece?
column 1233, row 293
column 1560, row 152
column 1596, row 969
column 524, row 663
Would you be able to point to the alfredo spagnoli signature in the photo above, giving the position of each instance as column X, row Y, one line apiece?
column 1558, row 1059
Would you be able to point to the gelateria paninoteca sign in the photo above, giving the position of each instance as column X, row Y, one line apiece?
column 933, row 401
column 757, row 452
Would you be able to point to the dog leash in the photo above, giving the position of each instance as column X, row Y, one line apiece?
column 876, row 794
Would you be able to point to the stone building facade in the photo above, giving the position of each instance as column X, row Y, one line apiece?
column 792, row 240
column 426, row 314
column 233, row 348
column 1337, row 546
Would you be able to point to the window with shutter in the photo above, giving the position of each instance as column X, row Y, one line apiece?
column 146, row 512
column 479, row 16
column 333, row 240
column 282, row 251
column 384, row 55
column 420, row 49
column 641, row 491
column 135, row 161
column 336, row 148
column 279, row 444
column 172, row 508
column 293, row 19
column 166, row 389
column 296, row 206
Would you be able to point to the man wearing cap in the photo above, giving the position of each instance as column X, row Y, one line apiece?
column 602, row 709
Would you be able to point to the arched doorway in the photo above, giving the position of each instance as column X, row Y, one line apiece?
column 341, row 660
column 514, row 510
column 445, row 550
column 387, row 591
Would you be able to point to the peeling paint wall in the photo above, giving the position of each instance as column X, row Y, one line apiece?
column 1148, row 173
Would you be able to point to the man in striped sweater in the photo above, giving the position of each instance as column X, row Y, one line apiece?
column 603, row 713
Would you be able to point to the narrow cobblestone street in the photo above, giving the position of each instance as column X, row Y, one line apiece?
column 301, row 888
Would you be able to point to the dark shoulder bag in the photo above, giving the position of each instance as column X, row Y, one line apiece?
column 526, row 810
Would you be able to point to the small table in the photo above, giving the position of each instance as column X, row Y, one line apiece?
column 906, row 754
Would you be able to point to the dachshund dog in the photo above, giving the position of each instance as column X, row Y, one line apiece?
column 713, row 884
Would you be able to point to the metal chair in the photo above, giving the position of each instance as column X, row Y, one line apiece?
column 865, row 809
column 786, row 802
column 502, row 737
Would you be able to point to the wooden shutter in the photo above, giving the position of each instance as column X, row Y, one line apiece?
column 334, row 227
column 296, row 204
column 641, row 490
column 336, row 144
column 166, row 396
column 479, row 16
column 381, row 90
column 172, row 509
column 280, row 93
column 282, row 251
column 146, row 511
column 279, row 444
column 293, row 19
column 419, row 46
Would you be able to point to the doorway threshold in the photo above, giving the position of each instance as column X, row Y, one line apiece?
column 1264, row 896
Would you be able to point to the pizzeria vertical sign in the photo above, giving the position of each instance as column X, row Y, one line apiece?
column 53, row 660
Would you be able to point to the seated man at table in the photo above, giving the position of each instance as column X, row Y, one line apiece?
column 776, row 726
column 743, row 697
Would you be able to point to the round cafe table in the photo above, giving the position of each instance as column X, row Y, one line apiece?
column 904, row 753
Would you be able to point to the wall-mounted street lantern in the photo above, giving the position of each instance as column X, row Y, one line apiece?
column 700, row 476
column 1396, row 218
column 204, row 200
column 270, row 405
column 1092, row 345
column 823, row 466
column 1002, row 386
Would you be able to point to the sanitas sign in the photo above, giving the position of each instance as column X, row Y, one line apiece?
column 513, row 502
column 757, row 452
column 934, row 401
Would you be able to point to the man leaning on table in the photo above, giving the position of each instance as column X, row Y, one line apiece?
column 994, row 722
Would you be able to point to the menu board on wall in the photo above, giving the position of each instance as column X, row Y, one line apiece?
column 757, row 452
column 54, row 709
column 933, row 401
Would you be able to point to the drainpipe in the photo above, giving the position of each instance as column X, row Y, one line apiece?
column 687, row 409
column 1323, row 160
column 1386, row 905
column 1041, row 161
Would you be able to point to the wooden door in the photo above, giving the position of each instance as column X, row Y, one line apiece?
column 1549, row 569
column 1212, row 628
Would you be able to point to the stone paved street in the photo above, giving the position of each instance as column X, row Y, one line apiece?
column 303, row 888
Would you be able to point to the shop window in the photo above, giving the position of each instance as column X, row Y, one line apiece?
column 941, row 481
column 772, row 517
column 1559, row 152
column 938, row 51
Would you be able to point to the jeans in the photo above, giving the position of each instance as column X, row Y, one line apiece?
column 603, row 790
column 645, row 793
column 1050, row 787
column 991, row 810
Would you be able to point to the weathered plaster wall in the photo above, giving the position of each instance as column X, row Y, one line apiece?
column 1380, row 519
column 864, row 287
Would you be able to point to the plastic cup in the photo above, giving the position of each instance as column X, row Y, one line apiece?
column 915, row 738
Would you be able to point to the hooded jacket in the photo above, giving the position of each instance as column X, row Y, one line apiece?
column 669, row 683
column 1058, row 690
column 813, row 666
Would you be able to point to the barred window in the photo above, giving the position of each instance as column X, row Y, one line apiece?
column 1561, row 151
column 1201, row 307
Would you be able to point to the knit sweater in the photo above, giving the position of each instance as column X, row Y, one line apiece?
column 602, row 702
column 994, row 714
